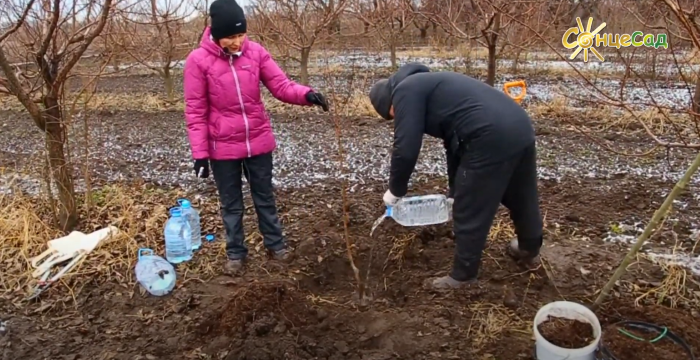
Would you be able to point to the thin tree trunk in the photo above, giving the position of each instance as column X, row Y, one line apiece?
column 492, row 42
column 169, row 84
column 491, row 75
column 696, row 99
column 60, row 169
column 305, row 52
column 516, row 60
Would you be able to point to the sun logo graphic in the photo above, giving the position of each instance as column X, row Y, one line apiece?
column 585, row 40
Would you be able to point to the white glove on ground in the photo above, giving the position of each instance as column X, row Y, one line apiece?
column 390, row 199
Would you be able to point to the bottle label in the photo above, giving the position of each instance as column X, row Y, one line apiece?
column 389, row 211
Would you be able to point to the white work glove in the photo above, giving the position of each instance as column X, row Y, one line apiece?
column 390, row 199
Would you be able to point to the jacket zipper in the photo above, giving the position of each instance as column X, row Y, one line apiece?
column 240, row 99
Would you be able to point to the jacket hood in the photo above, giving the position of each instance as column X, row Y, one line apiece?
column 383, row 90
column 405, row 71
column 208, row 43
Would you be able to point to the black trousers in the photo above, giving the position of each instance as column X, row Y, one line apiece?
column 258, row 172
column 478, row 193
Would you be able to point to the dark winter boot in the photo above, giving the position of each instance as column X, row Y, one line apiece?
column 234, row 267
column 448, row 283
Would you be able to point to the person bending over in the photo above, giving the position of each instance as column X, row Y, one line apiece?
column 491, row 158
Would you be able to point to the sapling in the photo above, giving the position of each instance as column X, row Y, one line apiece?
column 338, row 104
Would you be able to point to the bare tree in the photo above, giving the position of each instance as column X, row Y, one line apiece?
column 682, row 23
column 478, row 20
column 53, row 35
column 519, row 40
column 391, row 18
column 421, row 21
column 155, row 37
column 297, row 24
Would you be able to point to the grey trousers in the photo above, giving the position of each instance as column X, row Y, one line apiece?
column 228, row 176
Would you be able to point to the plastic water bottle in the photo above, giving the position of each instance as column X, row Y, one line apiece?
column 418, row 211
column 178, row 244
column 155, row 275
column 192, row 216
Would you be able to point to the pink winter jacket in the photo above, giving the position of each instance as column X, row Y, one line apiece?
column 226, row 118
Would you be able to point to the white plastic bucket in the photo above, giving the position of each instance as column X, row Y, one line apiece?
column 545, row 350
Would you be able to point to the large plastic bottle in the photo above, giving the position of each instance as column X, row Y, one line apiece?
column 178, row 244
column 192, row 216
column 154, row 274
column 420, row 210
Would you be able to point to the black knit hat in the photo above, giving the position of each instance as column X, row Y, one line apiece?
column 227, row 18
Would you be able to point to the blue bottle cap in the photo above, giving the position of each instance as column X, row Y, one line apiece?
column 184, row 203
column 175, row 211
column 209, row 237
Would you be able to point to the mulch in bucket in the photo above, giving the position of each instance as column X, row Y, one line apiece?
column 633, row 340
column 566, row 333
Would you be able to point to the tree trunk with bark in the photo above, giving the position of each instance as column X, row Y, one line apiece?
column 492, row 41
column 304, row 72
column 61, row 170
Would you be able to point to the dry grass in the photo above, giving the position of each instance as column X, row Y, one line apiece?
column 110, row 102
column 501, row 230
column 462, row 50
column 558, row 106
column 398, row 249
column 490, row 321
column 358, row 105
column 26, row 226
column 674, row 289
column 605, row 118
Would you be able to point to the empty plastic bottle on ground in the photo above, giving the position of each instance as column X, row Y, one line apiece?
column 155, row 275
column 192, row 216
column 178, row 234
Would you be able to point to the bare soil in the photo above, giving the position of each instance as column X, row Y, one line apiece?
column 624, row 347
column 566, row 333
column 306, row 310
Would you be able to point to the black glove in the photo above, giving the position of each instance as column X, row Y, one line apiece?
column 203, row 166
column 317, row 99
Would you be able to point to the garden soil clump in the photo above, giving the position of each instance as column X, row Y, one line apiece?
column 624, row 347
column 566, row 333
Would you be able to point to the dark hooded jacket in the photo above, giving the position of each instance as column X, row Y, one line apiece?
column 479, row 124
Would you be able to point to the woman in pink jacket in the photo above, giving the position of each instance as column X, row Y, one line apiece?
column 229, row 129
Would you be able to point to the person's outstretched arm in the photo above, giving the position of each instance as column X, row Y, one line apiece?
column 281, row 87
column 196, row 107
column 409, row 125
